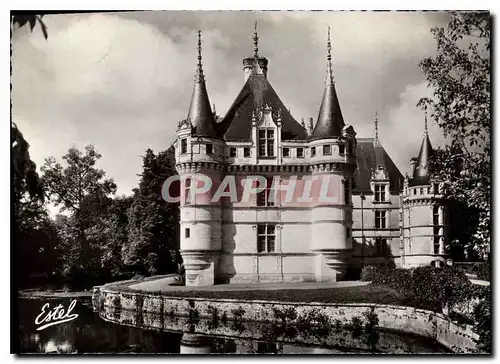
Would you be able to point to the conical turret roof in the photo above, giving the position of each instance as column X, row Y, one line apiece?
column 330, row 121
column 421, row 174
column 200, row 113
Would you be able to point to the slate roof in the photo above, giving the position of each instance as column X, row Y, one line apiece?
column 257, row 93
column 200, row 112
column 421, row 173
column 369, row 155
column 330, row 121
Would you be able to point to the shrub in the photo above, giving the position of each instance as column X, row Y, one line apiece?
column 482, row 321
column 424, row 287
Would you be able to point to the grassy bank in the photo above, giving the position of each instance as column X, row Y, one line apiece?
column 35, row 293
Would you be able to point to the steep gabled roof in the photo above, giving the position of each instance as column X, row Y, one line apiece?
column 256, row 94
column 369, row 157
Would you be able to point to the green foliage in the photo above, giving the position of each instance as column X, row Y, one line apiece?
column 483, row 324
column 153, row 232
column 32, row 19
column 425, row 287
column 25, row 177
column 82, row 191
column 460, row 76
column 36, row 240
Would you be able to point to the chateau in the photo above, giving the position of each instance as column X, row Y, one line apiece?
column 379, row 217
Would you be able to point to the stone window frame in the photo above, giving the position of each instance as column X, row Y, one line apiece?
column 267, row 141
column 381, row 219
column 263, row 196
column 266, row 238
column 287, row 154
column 302, row 152
column 184, row 146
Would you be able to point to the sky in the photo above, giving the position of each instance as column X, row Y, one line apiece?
column 122, row 81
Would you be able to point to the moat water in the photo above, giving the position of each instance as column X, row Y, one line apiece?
column 88, row 333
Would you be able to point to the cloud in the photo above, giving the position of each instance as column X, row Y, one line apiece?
column 402, row 132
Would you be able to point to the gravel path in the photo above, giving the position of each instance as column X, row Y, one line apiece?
column 163, row 284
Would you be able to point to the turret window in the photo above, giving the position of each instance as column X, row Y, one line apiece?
column 187, row 187
column 266, row 238
column 341, row 149
column 286, row 152
column 300, row 152
column 184, row 146
column 266, row 143
column 210, row 149
column 187, row 233
column 313, row 151
column 380, row 219
column 232, row 152
column 327, row 150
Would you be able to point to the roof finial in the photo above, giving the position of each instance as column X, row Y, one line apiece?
column 425, row 123
column 255, row 42
column 376, row 127
column 329, row 73
column 199, row 71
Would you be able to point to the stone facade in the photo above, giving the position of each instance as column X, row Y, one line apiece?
column 374, row 218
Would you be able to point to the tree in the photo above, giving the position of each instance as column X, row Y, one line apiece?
column 115, row 226
column 24, row 168
column 32, row 19
column 82, row 190
column 153, row 223
column 459, row 74
column 36, row 238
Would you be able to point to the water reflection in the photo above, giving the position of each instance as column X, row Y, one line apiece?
column 177, row 335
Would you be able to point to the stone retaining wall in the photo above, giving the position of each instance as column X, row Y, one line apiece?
column 109, row 301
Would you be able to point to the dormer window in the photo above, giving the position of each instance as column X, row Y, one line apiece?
column 184, row 146
column 266, row 143
column 210, row 149
column 341, row 149
column 300, row 152
column 327, row 149
column 380, row 193
column 232, row 152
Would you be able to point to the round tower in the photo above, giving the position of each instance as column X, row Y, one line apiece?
column 332, row 164
column 199, row 155
column 425, row 220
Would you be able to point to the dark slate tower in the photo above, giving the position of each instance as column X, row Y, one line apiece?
column 330, row 121
column 421, row 175
column 200, row 113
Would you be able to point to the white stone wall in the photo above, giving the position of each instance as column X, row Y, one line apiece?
column 125, row 308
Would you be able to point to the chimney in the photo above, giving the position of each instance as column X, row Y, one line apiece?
column 309, row 126
column 413, row 163
column 249, row 66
